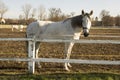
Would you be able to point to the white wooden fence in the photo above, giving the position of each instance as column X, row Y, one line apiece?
column 31, row 53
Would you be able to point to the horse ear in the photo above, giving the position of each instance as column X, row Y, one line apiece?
column 83, row 12
column 91, row 12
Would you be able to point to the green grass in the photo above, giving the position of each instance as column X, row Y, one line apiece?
column 63, row 76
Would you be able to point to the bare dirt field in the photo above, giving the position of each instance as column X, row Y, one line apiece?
column 56, row 50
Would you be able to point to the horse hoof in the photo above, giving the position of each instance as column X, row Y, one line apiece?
column 66, row 67
column 67, row 70
column 69, row 65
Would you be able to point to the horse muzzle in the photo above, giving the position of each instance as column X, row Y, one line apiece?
column 86, row 34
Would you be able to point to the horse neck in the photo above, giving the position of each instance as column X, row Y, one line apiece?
column 76, row 21
column 76, row 31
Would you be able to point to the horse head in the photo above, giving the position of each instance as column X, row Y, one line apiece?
column 86, row 22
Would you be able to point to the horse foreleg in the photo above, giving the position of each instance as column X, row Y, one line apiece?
column 36, row 51
column 68, row 49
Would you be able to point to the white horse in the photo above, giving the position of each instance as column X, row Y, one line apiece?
column 18, row 27
column 72, row 26
column 2, row 21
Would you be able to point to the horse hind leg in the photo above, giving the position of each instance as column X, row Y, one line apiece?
column 68, row 49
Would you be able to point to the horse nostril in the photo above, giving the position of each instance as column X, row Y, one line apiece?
column 86, row 34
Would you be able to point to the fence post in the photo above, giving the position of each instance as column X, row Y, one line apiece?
column 31, row 54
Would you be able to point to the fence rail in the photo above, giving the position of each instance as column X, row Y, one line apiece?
column 63, row 40
column 105, row 62
column 31, row 53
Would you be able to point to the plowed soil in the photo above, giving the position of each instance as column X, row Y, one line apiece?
column 17, row 49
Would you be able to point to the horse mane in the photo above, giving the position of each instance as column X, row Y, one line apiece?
column 76, row 21
column 66, row 20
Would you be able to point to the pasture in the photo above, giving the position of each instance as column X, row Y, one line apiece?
column 17, row 49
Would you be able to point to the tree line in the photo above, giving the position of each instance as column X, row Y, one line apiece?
column 54, row 14
column 107, row 19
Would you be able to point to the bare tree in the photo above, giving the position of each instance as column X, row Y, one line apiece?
column 117, row 20
column 33, row 13
column 108, row 21
column 41, row 12
column 55, row 14
column 3, row 9
column 26, row 10
column 20, row 16
column 72, row 14
column 103, row 14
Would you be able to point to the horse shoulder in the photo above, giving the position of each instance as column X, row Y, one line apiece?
column 77, row 35
column 32, row 27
